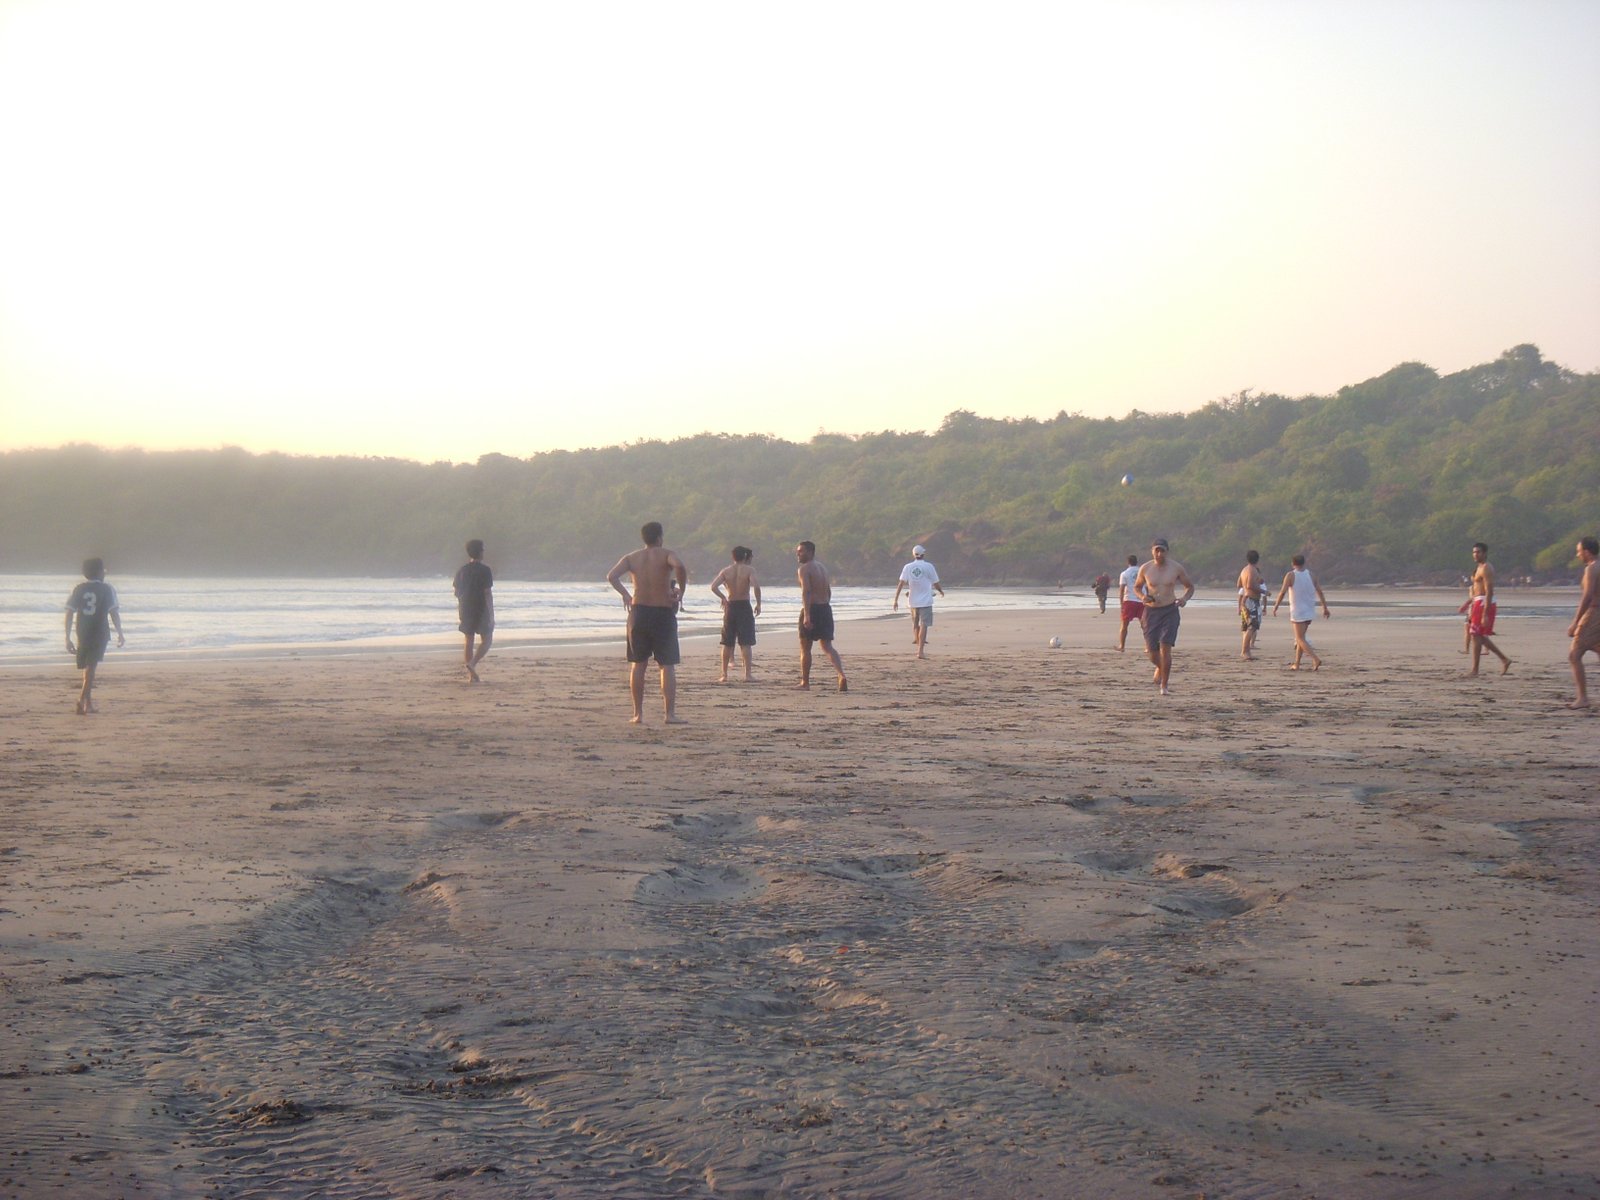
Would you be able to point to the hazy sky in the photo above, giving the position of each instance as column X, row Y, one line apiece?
column 437, row 230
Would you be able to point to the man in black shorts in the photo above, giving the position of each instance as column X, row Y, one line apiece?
column 474, row 588
column 816, row 614
column 652, row 616
column 738, row 616
column 94, row 603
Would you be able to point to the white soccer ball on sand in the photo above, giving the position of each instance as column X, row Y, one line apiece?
column 1055, row 643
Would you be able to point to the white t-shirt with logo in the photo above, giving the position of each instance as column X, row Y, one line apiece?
column 920, row 576
column 1126, row 580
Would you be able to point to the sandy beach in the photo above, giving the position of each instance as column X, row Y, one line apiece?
column 1002, row 923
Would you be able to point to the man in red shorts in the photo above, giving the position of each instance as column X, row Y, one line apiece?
column 1128, row 597
column 1480, row 623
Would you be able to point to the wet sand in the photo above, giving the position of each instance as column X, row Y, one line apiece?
column 999, row 923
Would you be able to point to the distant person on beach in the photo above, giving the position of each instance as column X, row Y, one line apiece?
column 1128, row 600
column 1157, row 586
column 1304, row 594
column 816, row 614
column 1585, row 628
column 474, row 588
column 1480, row 609
column 738, row 615
column 659, row 580
column 1102, row 585
column 919, row 579
column 1251, row 602
column 94, row 603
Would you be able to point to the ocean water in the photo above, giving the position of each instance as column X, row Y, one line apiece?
column 165, row 617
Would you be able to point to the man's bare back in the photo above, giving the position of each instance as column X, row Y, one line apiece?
column 737, row 578
column 653, row 569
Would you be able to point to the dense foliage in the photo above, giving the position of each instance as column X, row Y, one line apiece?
column 1388, row 480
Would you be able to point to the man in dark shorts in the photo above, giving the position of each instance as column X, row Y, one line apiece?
column 474, row 588
column 816, row 614
column 652, row 617
column 94, row 603
column 1157, row 585
column 738, row 616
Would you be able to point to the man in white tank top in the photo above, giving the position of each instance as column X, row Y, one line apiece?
column 1304, row 595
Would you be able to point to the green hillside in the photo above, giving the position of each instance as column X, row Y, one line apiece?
column 1389, row 480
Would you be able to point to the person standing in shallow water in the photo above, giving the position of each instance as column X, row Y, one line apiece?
column 94, row 603
column 816, row 614
column 738, row 615
column 1304, row 592
column 474, row 589
column 659, row 579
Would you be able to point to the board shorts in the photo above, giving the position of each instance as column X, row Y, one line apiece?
column 821, row 624
column 1588, row 636
column 1480, row 621
column 923, row 616
column 92, row 649
column 480, row 621
column 653, row 630
column 1132, row 610
column 739, row 623
column 1161, row 625
column 1250, row 617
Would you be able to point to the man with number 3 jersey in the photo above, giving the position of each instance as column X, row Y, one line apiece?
column 94, row 602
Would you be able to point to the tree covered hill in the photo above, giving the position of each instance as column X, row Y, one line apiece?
column 1391, row 479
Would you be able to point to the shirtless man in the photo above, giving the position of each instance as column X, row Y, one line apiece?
column 1156, row 584
column 1585, row 628
column 1480, row 622
column 738, row 617
column 1250, row 589
column 1304, row 593
column 659, row 578
column 816, row 614
column 1128, row 600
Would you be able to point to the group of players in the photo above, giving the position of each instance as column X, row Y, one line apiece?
column 1148, row 594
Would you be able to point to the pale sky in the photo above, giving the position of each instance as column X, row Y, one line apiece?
column 436, row 230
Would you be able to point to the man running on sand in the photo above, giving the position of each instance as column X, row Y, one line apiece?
column 1157, row 585
column 94, row 603
column 652, row 617
column 919, row 578
column 1304, row 593
column 474, row 589
column 1585, row 628
column 738, row 617
column 1480, row 621
column 1128, row 600
column 816, row 614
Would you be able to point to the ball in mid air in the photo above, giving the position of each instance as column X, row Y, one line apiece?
column 1127, row 481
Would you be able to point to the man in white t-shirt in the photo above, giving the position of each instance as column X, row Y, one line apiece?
column 920, row 580
column 1128, row 600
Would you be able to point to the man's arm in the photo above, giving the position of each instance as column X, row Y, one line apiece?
column 1140, row 586
column 755, row 590
column 938, row 587
column 1283, row 591
column 1588, row 599
column 1323, row 599
column 898, row 588
column 716, row 585
column 615, row 580
column 1183, row 578
column 682, row 573
column 804, row 576
column 71, row 649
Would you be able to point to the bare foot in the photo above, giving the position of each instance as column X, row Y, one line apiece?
column 674, row 720
column 1580, row 704
column 1164, row 690
column 844, row 684
column 802, row 687
column 1472, row 674
column 636, row 719
column 1506, row 668
column 724, row 679
column 1316, row 664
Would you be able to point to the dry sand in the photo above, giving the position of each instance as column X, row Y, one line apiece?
column 1000, row 923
